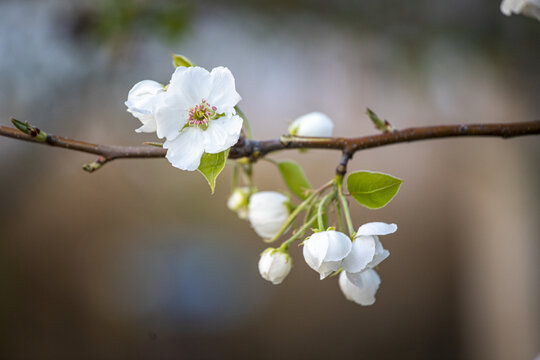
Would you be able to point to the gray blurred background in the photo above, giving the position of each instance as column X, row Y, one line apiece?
column 139, row 261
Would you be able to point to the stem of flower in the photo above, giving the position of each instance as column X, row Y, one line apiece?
column 249, row 134
column 293, row 216
column 339, row 183
column 321, row 208
column 299, row 233
column 235, row 177
column 339, row 215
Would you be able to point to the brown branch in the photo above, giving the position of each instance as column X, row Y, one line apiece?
column 255, row 149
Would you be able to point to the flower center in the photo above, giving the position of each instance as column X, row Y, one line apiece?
column 200, row 115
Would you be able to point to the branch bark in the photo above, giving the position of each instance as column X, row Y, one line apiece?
column 254, row 149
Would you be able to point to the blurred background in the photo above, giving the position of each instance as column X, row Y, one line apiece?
column 139, row 261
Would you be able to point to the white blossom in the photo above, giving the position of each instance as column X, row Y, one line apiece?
column 363, row 290
column 196, row 115
column 314, row 124
column 324, row 251
column 367, row 250
column 268, row 211
column 526, row 7
column 275, row 265
column 141, row 101
column 239, row 201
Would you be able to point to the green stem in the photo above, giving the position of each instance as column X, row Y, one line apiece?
column 293, row 216
column 300, row 232
column 235, row 177
column 249, row 134
column 341, row 226
column 321, row 208
column 339, row 183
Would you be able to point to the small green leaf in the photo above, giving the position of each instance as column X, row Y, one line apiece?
column 212, row 165
column 181, row 60
column 294, row 177
column 373, row 190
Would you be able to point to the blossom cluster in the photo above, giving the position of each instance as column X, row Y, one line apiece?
column 196, row 113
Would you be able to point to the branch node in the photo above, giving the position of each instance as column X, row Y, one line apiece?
column 96, row 165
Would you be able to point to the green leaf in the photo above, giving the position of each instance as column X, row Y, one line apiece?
column 294, row 177
column 181, row 60
column 371, row 189
column 212, row 165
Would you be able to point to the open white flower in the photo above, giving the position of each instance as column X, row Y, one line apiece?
column 196, row 115
column 314, row 124
column 268, row 211
column 367, row 250
column 526, row 7
column 239, row 201
column 324, row 251
column 275, row 265
column 142, row 98
column 362, row 291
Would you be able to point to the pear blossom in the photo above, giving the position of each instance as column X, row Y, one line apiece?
column 141, row 101
column 314, row 124
column 196, row 115
column 367, row 250
column 275, row 265
column 526, row 7
column 268, row 211
column 325, row 251
column 363, row 290
column 239, row 201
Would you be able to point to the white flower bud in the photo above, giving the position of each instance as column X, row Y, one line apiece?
column 141, row 101
column 362, row 291
column 239, row 201
column 314, row 124
column 324, row 251
column 526, row 7
column 274, row 265
column 268, row 211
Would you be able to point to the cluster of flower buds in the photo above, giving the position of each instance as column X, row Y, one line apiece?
column 327, row 251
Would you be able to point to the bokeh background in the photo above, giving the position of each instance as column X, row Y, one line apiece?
column 139, row 261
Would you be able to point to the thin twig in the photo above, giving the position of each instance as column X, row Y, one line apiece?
column 254, row 149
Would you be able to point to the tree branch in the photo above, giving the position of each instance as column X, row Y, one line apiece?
column 254, row 149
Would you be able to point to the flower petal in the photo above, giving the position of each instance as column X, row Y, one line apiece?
column 171, row 116
column 339, row 246
column 362, row 252
column 315, row 249
column 186, row 150
column 380, row 254
column 376, row 228
column 327, row 268
column 360, row 287
column 141, row 101
column 223, row 94
column 222, row 133
column 192, row 83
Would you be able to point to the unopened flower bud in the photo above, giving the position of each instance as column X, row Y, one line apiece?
column 324, row 251
column 362, row 291
column 239, row 201
column 314, row 124
column 268, row 211
column 275, row 265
